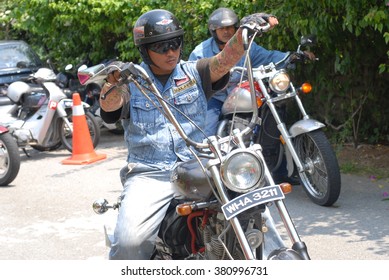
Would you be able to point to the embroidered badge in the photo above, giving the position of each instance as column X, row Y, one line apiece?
column 182, row 81
column 183, row 84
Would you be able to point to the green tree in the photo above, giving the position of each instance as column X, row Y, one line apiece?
column 350, row 79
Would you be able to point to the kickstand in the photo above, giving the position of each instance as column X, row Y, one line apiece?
column 25, row 151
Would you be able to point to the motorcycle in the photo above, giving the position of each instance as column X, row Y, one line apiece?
column 304, row 144
column 9, row 157
column 41, row 114
column 227, row 188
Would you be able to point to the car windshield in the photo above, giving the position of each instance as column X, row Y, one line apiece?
column 17, row 55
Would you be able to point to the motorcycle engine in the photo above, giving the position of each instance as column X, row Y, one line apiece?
column 175, row 237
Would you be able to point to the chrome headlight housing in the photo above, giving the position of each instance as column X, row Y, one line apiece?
column 242, row 171
column 280, row 82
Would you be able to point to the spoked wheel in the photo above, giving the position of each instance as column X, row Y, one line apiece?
column 9, row 159
column 66, row 134
column 321, row 178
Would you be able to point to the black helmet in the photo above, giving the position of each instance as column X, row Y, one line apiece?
column 154, row 26
column 222, row 17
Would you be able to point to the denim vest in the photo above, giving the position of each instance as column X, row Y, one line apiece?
column 151, row 139
column 258, row 55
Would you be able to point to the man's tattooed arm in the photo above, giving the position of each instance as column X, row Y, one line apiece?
column 221, row 63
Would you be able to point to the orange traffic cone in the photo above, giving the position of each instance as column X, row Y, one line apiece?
column 83, row 152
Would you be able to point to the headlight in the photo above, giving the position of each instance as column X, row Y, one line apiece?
column 242, row 171
column 280, row 82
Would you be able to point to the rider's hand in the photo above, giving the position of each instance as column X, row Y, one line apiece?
column 110, row 86
column 114, row 74
column 273, row 21
column 310, row 55
column 113, row 77
column 259, row 19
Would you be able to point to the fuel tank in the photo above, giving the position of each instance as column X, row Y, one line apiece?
column 239, row 99
column 189, row 179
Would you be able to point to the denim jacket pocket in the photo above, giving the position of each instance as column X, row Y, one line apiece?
column 144, row 113
column 187, row 102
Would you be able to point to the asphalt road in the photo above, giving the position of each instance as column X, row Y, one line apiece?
column 46, row 213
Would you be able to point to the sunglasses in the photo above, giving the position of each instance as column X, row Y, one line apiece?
column 163, row 46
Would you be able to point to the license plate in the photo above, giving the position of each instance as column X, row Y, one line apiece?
column 251, row 199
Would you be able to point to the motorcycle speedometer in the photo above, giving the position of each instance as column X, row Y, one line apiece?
column 242, row 171
column 280, row 82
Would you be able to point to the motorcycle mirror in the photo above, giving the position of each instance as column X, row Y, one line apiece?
column 100, row 206
column 68, row 67
column 82, row 67
column 91, row 74
column 308, row 40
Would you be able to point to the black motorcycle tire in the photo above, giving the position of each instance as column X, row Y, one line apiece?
column 321, row 179
column 67, row 137
column 9, row 159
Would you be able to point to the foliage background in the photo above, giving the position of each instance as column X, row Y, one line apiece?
column 350, row 79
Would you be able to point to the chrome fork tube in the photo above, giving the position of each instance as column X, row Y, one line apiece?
column 286, row 136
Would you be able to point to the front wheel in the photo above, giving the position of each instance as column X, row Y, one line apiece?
column 66, row 134
column 321, row 176
column 9, row 159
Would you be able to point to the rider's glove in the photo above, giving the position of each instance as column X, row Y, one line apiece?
column 114, row 75
column 118, row 91
column 302, row 57
column 254, row 21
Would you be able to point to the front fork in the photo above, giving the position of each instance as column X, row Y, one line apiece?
column 300, row 127
column 240, row 234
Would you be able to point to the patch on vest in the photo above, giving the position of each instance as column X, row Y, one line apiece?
column 183, row 84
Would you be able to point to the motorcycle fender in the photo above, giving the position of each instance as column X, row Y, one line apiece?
column 299, row 127
column 304, row 126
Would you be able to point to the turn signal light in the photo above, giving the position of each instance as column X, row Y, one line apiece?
column 286, row 188
column 184, row 209
column 306, row 88
column 259, row 101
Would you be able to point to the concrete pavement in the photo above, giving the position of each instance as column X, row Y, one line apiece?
column 46, row 213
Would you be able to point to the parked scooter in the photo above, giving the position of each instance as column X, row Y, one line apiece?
column 41, row 116
column 227, row 187
column 306, row 147
column 9, row 157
